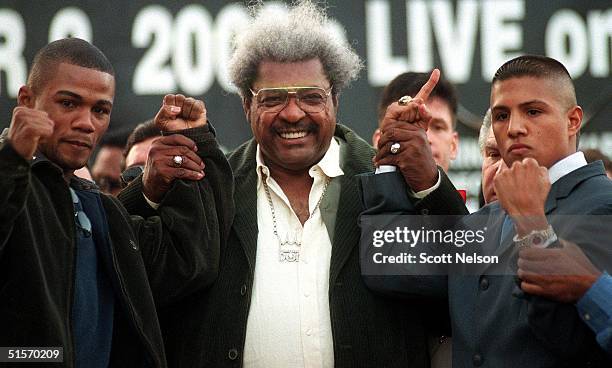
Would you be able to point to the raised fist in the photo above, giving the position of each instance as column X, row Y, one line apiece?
column 179, row 112
column 28, row 127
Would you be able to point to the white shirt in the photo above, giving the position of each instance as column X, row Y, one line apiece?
column 289, row 322
column 566, row 166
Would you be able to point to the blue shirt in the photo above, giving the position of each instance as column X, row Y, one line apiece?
column 595, row 308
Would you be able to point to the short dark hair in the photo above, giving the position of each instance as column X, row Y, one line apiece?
column 409, row 84
column 538, row 66
column 531, row 66
column 73, row 51
column 143, row 131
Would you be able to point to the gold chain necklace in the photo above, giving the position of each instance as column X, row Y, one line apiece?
column 289, row 250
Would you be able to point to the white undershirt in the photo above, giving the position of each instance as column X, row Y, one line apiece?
column 289, row 323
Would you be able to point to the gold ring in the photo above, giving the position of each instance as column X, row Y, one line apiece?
column 404, row 100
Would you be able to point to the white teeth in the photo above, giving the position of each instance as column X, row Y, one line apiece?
column 293, row 135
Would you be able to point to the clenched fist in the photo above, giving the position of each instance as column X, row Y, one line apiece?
column 179, row 112
column 522, row 191
column 28, row 127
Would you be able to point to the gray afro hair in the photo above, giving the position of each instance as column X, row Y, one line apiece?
column 303, row 33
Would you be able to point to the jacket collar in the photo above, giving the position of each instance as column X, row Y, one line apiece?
column 355, row 158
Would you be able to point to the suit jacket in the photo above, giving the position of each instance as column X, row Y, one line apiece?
column 368, row 330
column 496, row 325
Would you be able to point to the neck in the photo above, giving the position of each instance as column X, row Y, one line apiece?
column 291, row 180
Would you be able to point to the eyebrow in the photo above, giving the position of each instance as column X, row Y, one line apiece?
column 80, row 98
column 522, row 104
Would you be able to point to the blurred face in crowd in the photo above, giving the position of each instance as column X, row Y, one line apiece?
column 491, row 162
column 443, row 139
column 106, row 170
column 531, row 118
column 137, row 156
column 292, row 139
column 79, row 101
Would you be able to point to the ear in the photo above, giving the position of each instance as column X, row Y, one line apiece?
column 375, row 138
column 454, row 146
column 246, row 106
column 26, row 97
column 574, row 120
column 335, row 100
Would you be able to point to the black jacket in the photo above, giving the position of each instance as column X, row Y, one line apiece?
column 160, row 258
column 208, row 329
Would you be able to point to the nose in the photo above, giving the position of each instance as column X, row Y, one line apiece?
column 292, row 113
column 84, row 121
column 516, row 126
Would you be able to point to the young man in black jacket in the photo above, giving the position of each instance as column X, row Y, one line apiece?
column 78, row 272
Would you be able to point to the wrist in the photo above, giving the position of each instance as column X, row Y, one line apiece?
column 425, row 182
column 526, row 224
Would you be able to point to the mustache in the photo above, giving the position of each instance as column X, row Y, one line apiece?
column 282, row 127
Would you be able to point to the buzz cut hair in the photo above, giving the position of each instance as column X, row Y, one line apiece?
column 74, row 51
column 538, row 66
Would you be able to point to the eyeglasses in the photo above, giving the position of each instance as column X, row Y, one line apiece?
column 309, row 99
column 80, row 218
column 130, row 174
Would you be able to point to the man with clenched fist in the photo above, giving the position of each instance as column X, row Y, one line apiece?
column 77, row 271
column 547, row 196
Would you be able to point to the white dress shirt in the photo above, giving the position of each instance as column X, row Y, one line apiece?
column 289, row 322
column 565, row 166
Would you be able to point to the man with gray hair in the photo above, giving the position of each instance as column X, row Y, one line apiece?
column 491, row 159
column 289, row 292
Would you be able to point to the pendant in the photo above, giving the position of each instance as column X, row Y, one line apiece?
column 289, row 250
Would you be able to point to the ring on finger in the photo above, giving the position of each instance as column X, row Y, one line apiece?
column 395, row 147
column 177, row 160
column 404, row 100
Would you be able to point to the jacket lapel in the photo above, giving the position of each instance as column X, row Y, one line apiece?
column 245, row 220
column 355, row 158
column 559, row 190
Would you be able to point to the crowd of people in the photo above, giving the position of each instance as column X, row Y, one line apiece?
column 176, row 254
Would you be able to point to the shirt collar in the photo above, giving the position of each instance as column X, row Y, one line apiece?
column 329, row 164
column 565, row 166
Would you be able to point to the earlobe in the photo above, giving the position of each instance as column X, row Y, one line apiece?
column 574, row 120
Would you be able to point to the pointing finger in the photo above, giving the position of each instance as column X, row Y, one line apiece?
column 425, row 91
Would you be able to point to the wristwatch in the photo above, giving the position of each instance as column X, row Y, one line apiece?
column 537, row 238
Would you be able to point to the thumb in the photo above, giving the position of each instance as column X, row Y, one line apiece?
column 166, row 112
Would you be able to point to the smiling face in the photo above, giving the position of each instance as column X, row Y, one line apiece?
column 291, row 139
column 531, row 118
column 79, row 101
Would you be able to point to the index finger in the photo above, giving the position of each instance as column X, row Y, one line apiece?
column 425, row 91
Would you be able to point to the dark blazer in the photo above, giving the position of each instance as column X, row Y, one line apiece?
column 209, row 329
column 494, row 323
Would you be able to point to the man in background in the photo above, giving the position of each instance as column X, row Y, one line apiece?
column 442, row 103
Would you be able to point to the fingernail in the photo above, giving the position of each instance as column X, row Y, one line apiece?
column 175, row 109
